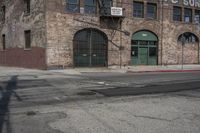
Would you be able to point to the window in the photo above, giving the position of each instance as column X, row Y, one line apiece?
column 191, row 39
column 27, row 39
column 152, row 51
column 134, row 42
column 107, row 3
column 188, row 37
column 138, row 9
column 197, row 17
column 151, row 11
column 152, row 43
column 177, row 13
column 134, row 48
column 134, row 51
column 4, row 13
column 187, row 15
column 28, row 5
column 90, row 6
column 73, row 6
column 4, row 41
column 105, row 10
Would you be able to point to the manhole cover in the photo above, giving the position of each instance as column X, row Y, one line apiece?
column 86, row 93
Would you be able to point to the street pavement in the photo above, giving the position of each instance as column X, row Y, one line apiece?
column 101, row 101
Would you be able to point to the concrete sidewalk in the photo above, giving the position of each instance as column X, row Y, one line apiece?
column 166, row 68
column 114, row 69
column 136, row 69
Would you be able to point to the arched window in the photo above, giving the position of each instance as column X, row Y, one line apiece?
column 188, row 37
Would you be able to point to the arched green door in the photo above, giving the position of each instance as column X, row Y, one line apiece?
column 90, row 48
column 144, row 48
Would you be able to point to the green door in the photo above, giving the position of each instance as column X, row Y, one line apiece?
column 144, row 48
column 98, row 49
column 143, row 56
column 90, row 48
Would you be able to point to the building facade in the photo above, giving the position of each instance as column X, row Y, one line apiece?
column 88, row 33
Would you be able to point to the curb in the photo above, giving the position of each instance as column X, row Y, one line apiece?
column 162, row 71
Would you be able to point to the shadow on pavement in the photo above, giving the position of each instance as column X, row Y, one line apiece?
column 5, row 97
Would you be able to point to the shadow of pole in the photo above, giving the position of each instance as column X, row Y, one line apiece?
column 6, row 94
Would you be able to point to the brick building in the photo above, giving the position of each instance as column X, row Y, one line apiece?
column 87, row 33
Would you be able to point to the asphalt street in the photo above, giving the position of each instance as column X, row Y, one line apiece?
column 48, row 102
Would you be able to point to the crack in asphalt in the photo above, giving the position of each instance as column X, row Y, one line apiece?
column 151, row 117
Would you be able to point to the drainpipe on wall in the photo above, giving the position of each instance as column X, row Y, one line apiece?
column 46, row 45
column 120, row 48
column 198, row 52
column 182, row 44
column 182, row 57
column 162, row 34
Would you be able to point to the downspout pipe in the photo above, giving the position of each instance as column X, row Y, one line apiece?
column 198, row 52
column 162, row 33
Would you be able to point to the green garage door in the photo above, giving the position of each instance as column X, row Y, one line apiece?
column 90, row 48
column 144, row 48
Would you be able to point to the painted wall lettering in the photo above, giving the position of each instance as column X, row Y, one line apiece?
column 175, row 1
column 192, row 3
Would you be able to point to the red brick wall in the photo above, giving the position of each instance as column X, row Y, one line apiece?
column 18, row 57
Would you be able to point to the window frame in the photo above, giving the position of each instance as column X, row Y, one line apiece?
column 27, row 37
column 155, row 13
column 3, row 42
column 188, row 38
column 138, row 13
column 27, row 7
column 77, row 5
column 134, row 51
column 108, row 3
column 175, row 14
column 190, row 17
column 94, row 6
column 154, row 53
column 195, row 13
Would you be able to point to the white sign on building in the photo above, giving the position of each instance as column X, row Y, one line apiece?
column 116, row 11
